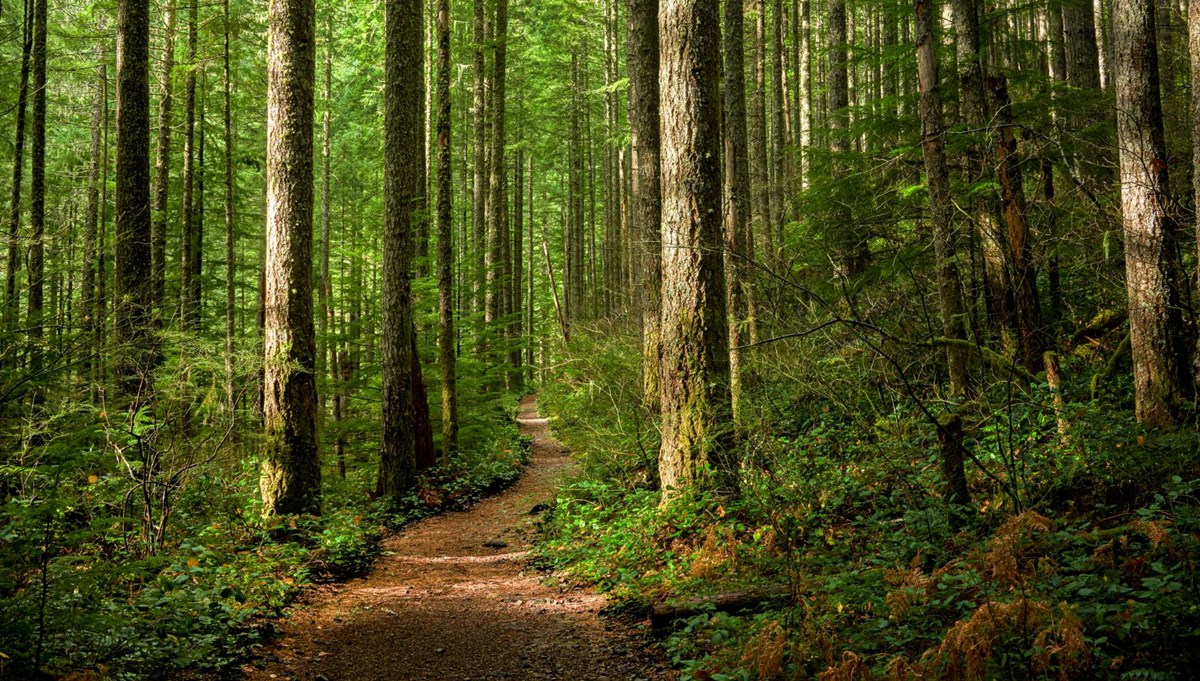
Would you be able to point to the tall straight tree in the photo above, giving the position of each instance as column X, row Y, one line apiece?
column 162, row 166
column 189, row 303
column 1152, row 281
column 759, row 215
column 402, row 162
column 479, row 161
column 445, row 236
column 37, row 189
column 695, row 336
column 736, row 184
column 643, row 57
column 230, row 235
column 497, row 204
column 91, row 228
column 291, row 471
column 132, row 290
column 12, row 305
column 945, row 238
column 849, row 248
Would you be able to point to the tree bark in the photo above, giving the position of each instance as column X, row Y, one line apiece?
column 445, row 240
column 497, row 208
column 188, row 302
column 401, row 177
column 132, row 294
column 736, row 184
column 643, row 60
column 230, row 234
column 12, row 305
column 37, row 193
column 1022, row 275
column 850, row 248
column 1151, row 276
column 325, row 285
column 695, row 342
column 91, row 323
column 941, row 209
column 291, row 476
column 162, row 166
column 758, row 223
column 479, row 181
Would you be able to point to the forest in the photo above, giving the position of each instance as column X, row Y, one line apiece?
column 708, row 340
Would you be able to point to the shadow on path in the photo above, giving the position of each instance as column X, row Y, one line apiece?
column 440, row 605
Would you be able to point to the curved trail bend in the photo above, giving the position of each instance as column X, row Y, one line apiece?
column 440, row 605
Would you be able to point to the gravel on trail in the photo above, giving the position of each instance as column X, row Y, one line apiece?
column 453, row 598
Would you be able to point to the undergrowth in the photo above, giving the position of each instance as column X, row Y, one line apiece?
column 141, row 552
column 1076, row 559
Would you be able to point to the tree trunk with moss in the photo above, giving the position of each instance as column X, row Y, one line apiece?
column 1152, row 279
column 401, row 178
column 643, row 57
column 736, row 194
column 132, row 290
column 445, row 237
column 945, row 236
column 695, row 336
column 291, row 475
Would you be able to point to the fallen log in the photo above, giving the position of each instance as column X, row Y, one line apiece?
column 665, row 613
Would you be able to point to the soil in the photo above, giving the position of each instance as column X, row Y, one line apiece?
column 454, row 598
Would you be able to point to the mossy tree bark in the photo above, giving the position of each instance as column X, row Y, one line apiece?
column 945, row 236
column 132, row 293
column 643, row 58
column 1152, row 279
column 291, row 475
column 445, row 236
column 37, row 193
column 695, row 338
column 736, row 184
column 12, row 305
column 162, row 165
column 402, row 197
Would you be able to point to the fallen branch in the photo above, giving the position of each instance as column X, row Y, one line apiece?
column 986, row 355
column 663, row 614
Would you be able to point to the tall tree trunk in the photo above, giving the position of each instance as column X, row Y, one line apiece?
column 1023, row 276
column 643, row 62
column 479, row 181
column 445, row 240
column 1151, row 276
column 132, row 293
column 1193, row 23
column 516, row 308
column 162, row 168
column 37, row 192
column 850, row 248
column 325, row 287
column 997, row 299
column 92, row 219
column 804, row 83
column 497, row 209
column 230, row 235
column 12, row 305
column 187, row 305
column 779, row 175
column 291, row 475
column 401, row 176
column 736, row 204
column 759, row 216
column 1079, row 29
column 695, row 342
column 945, row 236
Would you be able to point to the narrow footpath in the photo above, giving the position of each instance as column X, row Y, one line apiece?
column 453, row 599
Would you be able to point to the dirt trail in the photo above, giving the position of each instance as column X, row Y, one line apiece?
column 441, row 605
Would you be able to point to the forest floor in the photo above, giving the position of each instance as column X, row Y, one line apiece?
column 454, row 598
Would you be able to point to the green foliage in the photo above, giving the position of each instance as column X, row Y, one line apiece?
column 1077, row 560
